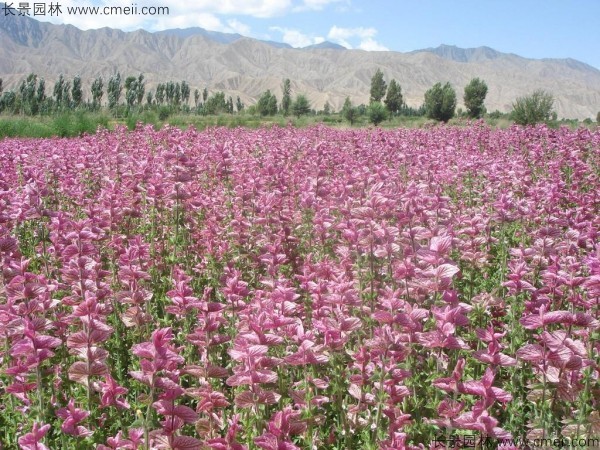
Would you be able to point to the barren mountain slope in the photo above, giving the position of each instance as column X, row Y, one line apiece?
column 247, row 67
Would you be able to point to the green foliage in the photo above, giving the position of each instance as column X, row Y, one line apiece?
column 66, row 96
column 97, row 92
column 409, row 111
column 59, row 88
column 70, row 124
column 161, row 93
column 216, row 104
column 440, row 102
column 130, row 90
column 532, row 109
column 376, row 113
column 286, row 99
column 598, row 118
column 114, row 90
column 239, row 105
column 29, row 97
column 393, row 100
column 185, row 92
column 8, row 102
column 76, row 92
column 23, row 127
column 474, row 97
column 267, row 104
column 349, row 112
column 326, row 109
column 41, row 92
column 163, row 113
column 301, row 106
column 378, row 86
column 134, row 90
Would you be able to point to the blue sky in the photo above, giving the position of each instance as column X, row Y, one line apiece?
column 530, row 28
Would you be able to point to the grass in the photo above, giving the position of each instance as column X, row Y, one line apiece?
column 66, row 124
column 72, row 124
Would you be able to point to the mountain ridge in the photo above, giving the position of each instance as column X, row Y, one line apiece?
column 246, row 67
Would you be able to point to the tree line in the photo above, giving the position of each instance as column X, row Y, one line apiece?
column 386, row 100
column 31, row 98
column 440, row 103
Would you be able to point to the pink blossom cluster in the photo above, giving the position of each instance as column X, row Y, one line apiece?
column 287, row 288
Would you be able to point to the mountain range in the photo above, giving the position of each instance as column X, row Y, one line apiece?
column 246, row 67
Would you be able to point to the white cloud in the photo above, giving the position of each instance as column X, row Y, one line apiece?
column 317, row 5
column 254, row 8
column 344, row 33
column 179, row 16
column 370, row 45
column 296, row 38
column 365, row 37
column 203, row 13
column 238, row 27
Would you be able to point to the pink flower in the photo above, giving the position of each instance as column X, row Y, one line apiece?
column 31, row 440
column 72, row 417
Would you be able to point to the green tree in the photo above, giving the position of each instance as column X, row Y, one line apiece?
column 77, row 92
column 59, row 88
column 326, row 108
column 205, row 95
column 160, row 93
column 267, row 104
column 114, row 90
column 376, row 113
column 532, row 109
column 41, row 92
column 349, row 112
column 8, row 101
column 185, row 92
column 474, row 97
column 286, row 99
column 239, row 105
column 378, row 86
column 196, row 97
column 216, row 104
column 1, row 86
column 440, row 102
column 597, row 117
column 140, row 89
column 27, row 89
column 301, row 106
column 177, row 94
column 97, row 92
column 130, row 90
column 67, row 95
column 393, row 99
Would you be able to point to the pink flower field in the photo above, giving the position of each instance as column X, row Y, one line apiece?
column 287, row 288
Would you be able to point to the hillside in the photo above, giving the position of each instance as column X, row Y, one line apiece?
column 247, row 67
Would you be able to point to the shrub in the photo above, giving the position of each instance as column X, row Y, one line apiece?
column 474, row 97
column 532, row 109
column 377, row 113
column 301, row 106
column 440, row 102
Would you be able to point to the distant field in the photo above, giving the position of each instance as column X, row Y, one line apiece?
column 298, row 288
column 73, row 124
